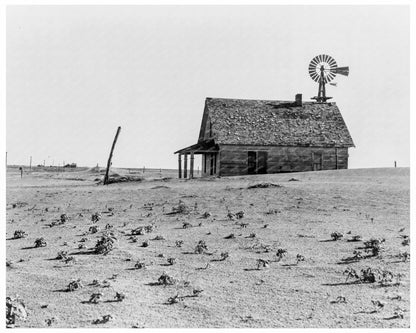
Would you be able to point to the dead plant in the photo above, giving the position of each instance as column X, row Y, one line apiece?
column 336, row 235
column 262, row 263
column 166, row 280
column 95, row 217
column 103, row 320
column 19, row 234
column 74, row 285
column 40, row 242
column 95, row 298
column 201, row 247
column 104, row 245
column 119, row 297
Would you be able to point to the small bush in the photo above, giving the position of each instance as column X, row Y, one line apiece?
column 95, row 298
column 74, row 285
column 166, row 280
column 19, row 234
column 95, row 217
column 336, row 235
column 40, row 242
column 201, row 247
column 104, row 245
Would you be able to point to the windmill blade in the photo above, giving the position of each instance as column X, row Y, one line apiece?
column 333, row 63
column 342, row 70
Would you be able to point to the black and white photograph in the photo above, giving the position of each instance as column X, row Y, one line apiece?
column 207, row 166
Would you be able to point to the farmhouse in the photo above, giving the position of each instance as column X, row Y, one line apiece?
column 240, row 137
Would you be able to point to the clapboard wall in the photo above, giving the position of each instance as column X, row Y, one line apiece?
column 233, row 159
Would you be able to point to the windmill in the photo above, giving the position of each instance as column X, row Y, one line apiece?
column 323, row 69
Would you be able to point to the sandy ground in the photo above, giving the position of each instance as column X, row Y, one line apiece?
column 298, row 216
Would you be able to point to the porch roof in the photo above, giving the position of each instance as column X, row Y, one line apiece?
column 202, row 147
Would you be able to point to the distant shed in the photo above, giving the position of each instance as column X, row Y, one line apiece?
column 240, row 137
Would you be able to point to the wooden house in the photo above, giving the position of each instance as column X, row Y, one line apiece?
column 240, row 137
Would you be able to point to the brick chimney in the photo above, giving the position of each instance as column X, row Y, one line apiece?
column 298, row 99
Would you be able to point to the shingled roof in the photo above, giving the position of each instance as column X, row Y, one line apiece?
column 280, row 123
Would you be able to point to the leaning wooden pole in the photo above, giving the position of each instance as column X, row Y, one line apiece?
column 111, row 155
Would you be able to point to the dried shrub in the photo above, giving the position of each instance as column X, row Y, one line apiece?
column 201, row 247
column 40, row 242
column 103, row 320
column 95, row 217
column 166, row 280
column 68, row 260
column 145, row 243
column 206, row 215
column 63, row 218
column 181, row 208
column 95, row 298
column 299, row 258
column 239, row 215
column 19, row 234
column 50, row 321
column 159, row 237
column 368, row 275
column 179, row 243
column 74, row 285
column 140, row 265
column 104, row 245
column 171, row 261
column 62, row 255
column 406, row 241
column 119, row 297
column 262, row 263
column 224, row 255
column 374, row 246
column 252, row 235
column 94, row 229
column 351, row 274
column 280, row 254
column 196, row 292
column 340, row 299
column 336, row 235
column 175, row 299
column 186, row 225
column 404, row 256
column 230, row 236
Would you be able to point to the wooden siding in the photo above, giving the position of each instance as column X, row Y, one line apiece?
column 233, row 159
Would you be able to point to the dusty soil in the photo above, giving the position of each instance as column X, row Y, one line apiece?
column 298, row 216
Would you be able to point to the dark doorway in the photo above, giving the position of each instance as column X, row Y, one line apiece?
column 256, row 162
column 252, row 162
column 262, row 162
column 317, row 161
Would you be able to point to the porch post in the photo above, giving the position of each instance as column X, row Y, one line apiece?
column 185, row 165
column 180, row 165
column 191, row 168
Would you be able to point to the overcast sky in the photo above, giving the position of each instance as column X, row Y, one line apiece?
column 75, row 73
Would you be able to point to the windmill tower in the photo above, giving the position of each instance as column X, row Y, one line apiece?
column 323, row 70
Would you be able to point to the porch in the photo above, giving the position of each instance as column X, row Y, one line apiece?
column 209, row 151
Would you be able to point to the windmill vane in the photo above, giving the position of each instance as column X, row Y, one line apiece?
column 323, row 70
